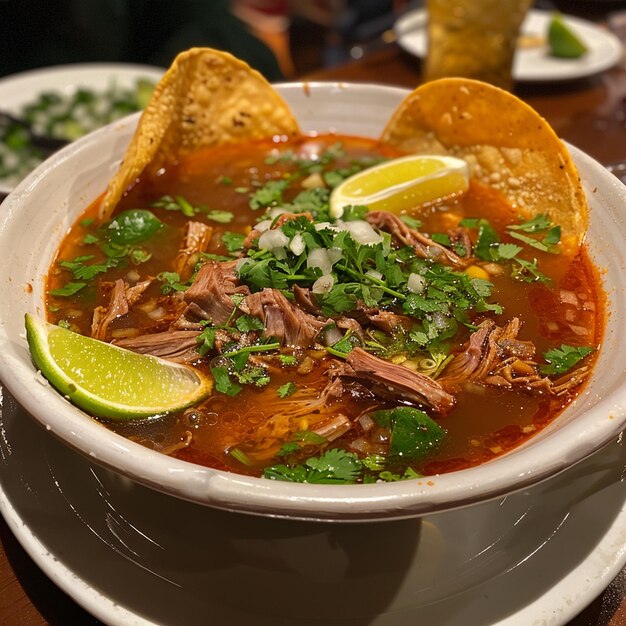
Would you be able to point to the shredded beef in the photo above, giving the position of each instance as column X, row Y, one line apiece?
column 122, row 297
column 424, row 247
column 209, row 297
column 283, row 320
column 493, row 356
column 482, row 354
column 306, row 300
column 390, row 322
column 395, row 382
column 176, row 345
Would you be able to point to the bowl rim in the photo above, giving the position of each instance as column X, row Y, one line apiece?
column 242, row 493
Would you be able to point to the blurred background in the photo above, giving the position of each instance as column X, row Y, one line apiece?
column 280, row 38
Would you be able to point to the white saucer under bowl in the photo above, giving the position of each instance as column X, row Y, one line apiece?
column 132, row 556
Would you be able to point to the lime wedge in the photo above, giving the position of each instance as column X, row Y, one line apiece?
column 401, row 184
column 107, row 381
column 563, row 41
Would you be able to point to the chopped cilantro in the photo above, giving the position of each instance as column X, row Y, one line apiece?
column 84, row 272
column 246, row 323
column 171, row 282
column 335, row 466
column 69, row 289
column 223, row 383
column 288, row 359
column 233, row 241
column 252, row 375
column 409, row 474
column 286, row 390
column 528, row 272
column 547, row 244
column 271, row 194
column 307, row 437
column 223, row 217
column 537, row 224
column 290, row 447
column 561, row 360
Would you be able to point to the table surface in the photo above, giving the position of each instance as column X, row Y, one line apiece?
column 589, row 113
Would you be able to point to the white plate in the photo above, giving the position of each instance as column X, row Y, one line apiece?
column 18, row 90
column 532, row 64
column 132, row 556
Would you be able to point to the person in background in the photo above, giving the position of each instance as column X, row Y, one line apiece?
column 39, row 33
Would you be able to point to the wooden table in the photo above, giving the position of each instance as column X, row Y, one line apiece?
column 589, row 113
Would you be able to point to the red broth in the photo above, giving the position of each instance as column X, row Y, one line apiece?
column 247, row 432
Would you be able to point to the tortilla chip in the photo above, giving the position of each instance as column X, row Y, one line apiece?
column 507, row 144
column 206, row 98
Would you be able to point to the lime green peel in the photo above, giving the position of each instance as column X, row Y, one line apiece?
column 110, row 382
column 563, row 41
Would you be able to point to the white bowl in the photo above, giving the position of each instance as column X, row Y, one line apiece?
column 36, row 216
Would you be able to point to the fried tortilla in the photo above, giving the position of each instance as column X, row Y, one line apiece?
column 206, row 98
column 507, row 144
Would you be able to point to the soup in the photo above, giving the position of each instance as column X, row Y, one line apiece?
column 375, row 347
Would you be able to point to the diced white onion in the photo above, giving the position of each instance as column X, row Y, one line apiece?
column 415, row 283
column 367, row 422
column 326, row 226
column 275, row 212
column 241, row 262
column 323, row 285
column 318, row 257
column 374, row 274
column 334, row 255
column 433, row 252
column 361, row 231
column 156, row 314
column 332, row 336
column 297, row 245
column 271, row 239
column 261, row 227
column 133, row 275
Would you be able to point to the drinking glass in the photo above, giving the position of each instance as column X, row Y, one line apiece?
column 474, row 39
